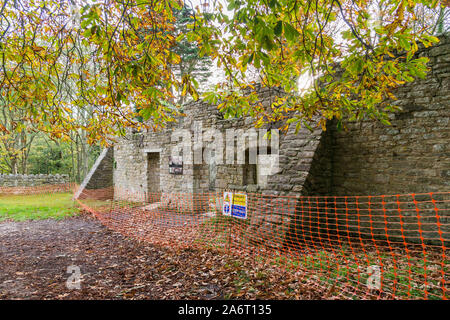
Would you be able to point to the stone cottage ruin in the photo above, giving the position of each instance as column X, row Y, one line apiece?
column 410, row 156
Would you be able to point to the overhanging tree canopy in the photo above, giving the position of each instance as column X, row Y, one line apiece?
column 62, row 56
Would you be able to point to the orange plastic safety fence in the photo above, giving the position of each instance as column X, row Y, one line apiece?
column 385, row 247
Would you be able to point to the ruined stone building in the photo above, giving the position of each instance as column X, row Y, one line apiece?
column 412, row 155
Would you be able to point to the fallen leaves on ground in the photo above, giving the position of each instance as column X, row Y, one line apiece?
column 34, row 256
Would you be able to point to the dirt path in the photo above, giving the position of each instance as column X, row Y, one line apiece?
column 35, row 255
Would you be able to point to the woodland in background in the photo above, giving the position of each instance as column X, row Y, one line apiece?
column 24, row 149
column 36, row 153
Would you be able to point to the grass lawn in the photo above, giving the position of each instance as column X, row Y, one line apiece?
column 37, row 206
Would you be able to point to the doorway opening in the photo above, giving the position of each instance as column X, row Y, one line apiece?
column 153, row 177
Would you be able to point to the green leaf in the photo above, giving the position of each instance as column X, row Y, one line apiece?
column 290, row 32
column 268, row 43
column 264, row 57
column 249, row 59
column 278, row 29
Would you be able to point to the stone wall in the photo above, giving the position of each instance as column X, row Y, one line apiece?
column 131, row 180
column 98, row 183
column 410, row 156
column 31, row 180
column 131, row 177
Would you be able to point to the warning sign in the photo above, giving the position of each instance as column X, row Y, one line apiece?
column 239, row 206
column 227, row 201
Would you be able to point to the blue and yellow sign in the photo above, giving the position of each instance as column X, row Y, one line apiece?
column 239, row 206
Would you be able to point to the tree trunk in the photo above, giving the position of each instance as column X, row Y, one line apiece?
column 14, row 165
